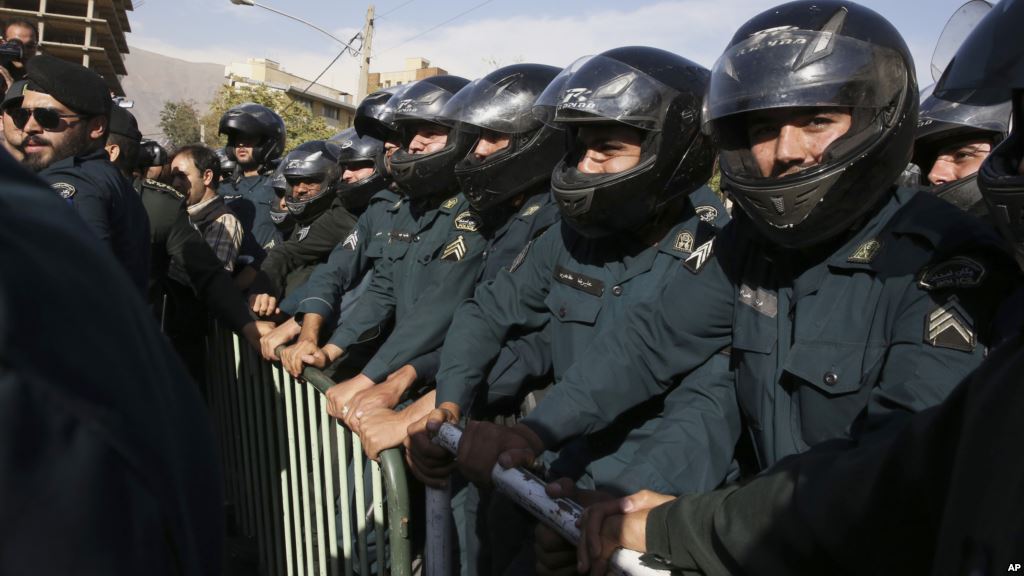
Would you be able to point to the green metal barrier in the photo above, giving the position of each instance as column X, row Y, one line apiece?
column 292, row 473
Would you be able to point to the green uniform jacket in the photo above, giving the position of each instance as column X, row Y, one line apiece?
column 884, row 326
column 584, row 288
column 174, row 239
column 290, row 264
column 350, row 260
column 429, row 267
column 943, row 494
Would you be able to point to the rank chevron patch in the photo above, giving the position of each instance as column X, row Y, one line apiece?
column 352, row 241
column 455, row 251
column 950, row 326
column 696, row 261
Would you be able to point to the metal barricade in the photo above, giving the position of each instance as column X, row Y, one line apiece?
column 295, row 478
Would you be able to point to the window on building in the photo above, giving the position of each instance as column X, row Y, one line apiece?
column 330, row 112
column 307, row 104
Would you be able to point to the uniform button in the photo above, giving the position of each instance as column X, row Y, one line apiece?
column 416, row 239
column 561, row 312
column 831, row 378
column 617, row 290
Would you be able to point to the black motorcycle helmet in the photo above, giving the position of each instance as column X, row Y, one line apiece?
column 315, row 161
column 651, row 90
column 375, row 115
column 825, row 53
column 942, row 124
column 252, row 119
column 357, row 152
column 151, row 153
column 426, row 175
column 227, row 164
column 988, row 69
column 281, row 217
column 503, row 102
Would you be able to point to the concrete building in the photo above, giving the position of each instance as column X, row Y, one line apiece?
column 415, row 69
column 90, row 32
column 334, row 106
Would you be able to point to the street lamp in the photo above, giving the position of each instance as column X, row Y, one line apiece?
column 297, row 19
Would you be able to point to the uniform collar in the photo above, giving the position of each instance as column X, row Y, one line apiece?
column 864, row 247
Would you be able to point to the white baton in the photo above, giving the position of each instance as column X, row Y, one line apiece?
column 561, row 514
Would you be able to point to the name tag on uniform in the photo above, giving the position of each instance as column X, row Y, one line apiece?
column 579, row 281
column 397, row 236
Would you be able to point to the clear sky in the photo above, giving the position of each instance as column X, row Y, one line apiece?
column 495, row 32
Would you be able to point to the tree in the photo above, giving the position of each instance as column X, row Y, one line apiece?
column 301, row 124
column 179, row 122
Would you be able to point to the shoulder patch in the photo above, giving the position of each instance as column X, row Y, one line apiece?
column 958, row 272
column 66, row 191
column 866, row 252
column 352, row 240
column 684, row 242
column 707, row 213
column 397, row 205
column 450, row 203
column 521, row 257
column 467, row 221
column 949, row 326
column 303, row 232
column 455, row 250
column 700, row 257
column 530, row 210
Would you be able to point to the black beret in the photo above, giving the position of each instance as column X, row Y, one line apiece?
column 14, row 95
column 73, row 85
column 122, row 122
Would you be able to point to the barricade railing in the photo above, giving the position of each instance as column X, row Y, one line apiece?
column 296, row 480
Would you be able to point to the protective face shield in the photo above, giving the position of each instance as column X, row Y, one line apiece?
column 809, row 56
column 360, row 151
column 151, row 153
column 502, row 104
column 227, row 165
column 280, row 215
column 432, row 174
column 314, row 162
column 258, row 122
column 654, row 92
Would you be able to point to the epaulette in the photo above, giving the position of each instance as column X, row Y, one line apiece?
column 154, row 185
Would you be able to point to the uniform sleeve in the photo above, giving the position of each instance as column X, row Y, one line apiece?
column 206, row 273
column 90, row 203
column 344, row 268
column 426, row 365
column 657, row 342
column 423, row 329
column 523, row 361
column 375, row 306
column 693, row 440
column 324, row 235
column 482, row 323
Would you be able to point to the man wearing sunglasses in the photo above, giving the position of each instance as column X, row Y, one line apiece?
column 59, row 124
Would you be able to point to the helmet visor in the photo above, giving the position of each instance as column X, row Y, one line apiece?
column 602, row 89
column 492, row 106
column 420, row 101
column 990, row 63
column 995, row 118
column 782, row 68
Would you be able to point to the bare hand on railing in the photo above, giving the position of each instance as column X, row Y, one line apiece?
column 384, row 428
column 484, row 444
column 555, row 555
column 264, row 305
column 275, row 337
column 339, row 395
column 432, row 464
column 291, row 357
column 383, row 395
column 609, row 525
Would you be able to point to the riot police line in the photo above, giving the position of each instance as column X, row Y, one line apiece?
column 800, row 383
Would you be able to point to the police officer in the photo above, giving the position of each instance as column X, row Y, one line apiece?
column 154, row 162
column 256, row 137
column 104, row 441
column 62, row 123
column 953, row 139
column 227, row 164
column 173, row 239
column 322, row 222
column 940, row 496
column 349, row 266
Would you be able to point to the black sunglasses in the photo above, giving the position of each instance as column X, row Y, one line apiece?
column 48, row 118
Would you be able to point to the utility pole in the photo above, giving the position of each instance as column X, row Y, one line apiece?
column 364, row 67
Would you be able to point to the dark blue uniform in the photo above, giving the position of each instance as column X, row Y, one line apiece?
column 108, row 461
column 106, row 201
column 823, row 346
column 250, row 198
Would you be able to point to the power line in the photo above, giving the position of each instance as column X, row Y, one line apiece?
column 347, row 48
column 432, row 28
column 396, row 9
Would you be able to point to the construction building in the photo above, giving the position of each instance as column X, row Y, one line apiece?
column 334, row 106
column 90, row 32
column 415, row 69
